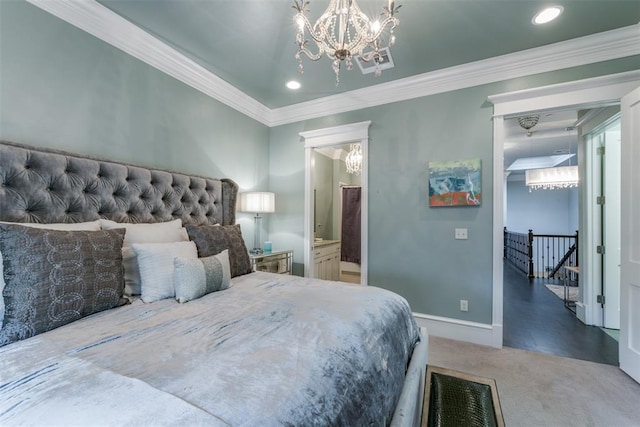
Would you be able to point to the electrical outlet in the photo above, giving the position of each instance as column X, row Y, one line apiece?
column 461, row 233
column 464, row 305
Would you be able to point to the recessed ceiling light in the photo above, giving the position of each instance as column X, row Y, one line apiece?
column 547, row 15
column 293, row 85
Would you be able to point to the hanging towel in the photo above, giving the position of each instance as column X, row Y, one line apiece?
column 350, row 240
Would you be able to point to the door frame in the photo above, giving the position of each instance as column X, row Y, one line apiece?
column 588, row 92
column 601, row 171
column 326, row 137
column 588, row 310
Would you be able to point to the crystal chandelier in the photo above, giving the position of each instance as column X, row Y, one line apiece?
column 344, row 31
column 552, row 178
column 354, row 159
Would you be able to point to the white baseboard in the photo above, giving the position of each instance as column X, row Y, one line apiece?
column 581, row 312
column 461, row 330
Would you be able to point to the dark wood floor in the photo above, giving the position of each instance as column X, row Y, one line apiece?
column 535, row 319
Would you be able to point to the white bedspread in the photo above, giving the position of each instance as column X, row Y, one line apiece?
column 270, row 350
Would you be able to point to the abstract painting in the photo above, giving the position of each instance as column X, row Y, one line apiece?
column 455, row 183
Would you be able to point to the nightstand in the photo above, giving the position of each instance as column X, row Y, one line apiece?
column 280, row 262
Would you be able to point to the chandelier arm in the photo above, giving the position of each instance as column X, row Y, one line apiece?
column 312, row 56
column 318, row 32
column 363, row 26
column 368, row 56
column 388, row 21
column 300, row 18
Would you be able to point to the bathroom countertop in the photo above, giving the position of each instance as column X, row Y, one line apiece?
column 319, row 243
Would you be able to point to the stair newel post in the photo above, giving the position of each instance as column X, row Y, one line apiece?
column 577, row 249
column 530, row 247
column 504, row 243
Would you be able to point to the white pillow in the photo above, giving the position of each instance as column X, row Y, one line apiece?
column 161, row 232
column 194, row 278
column 77, row 226
column 155, row 261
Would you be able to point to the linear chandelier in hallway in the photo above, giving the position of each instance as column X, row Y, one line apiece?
column 552, row 178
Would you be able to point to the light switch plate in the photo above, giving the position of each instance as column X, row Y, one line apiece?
column 461, row 234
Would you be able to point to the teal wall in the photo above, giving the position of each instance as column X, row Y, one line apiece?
column 63, row 88
column 411, row 246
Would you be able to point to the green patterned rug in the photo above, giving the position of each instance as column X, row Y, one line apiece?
column 455, row 399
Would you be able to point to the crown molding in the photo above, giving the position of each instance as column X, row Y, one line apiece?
column 99, row 21
column 614, row 44
column 578, row 85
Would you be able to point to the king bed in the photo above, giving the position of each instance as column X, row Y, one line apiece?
column 128, row 298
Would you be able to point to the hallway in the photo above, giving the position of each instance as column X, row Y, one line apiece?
column 536, row 320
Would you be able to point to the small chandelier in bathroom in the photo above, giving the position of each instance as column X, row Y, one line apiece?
column 354, row 159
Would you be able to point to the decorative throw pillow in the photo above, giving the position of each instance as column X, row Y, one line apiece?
column 194, row 278
column 75, row 226
column 54, row 277
column 155, row 261
column 161, row 232
column 213, row 239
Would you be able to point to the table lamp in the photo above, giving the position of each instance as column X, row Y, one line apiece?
column 257, row 202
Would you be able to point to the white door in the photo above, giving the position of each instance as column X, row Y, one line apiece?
column 630, row 237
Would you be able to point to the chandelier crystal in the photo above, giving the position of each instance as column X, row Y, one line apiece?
column 552, row 178
column 344, row 31
column 354, row 159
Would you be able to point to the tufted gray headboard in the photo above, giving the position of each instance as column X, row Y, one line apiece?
column 47, row 186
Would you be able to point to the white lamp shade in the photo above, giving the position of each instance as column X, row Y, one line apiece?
column 257, row 202
column 550, row 178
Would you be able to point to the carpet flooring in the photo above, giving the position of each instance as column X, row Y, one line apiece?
column 543, row 390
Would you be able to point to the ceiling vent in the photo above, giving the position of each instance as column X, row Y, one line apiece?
column 368, row 67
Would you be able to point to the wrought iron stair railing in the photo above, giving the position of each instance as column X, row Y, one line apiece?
column 540, row 255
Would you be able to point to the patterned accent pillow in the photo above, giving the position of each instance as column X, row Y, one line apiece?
column 73, row 226
column 213, row 239
column 194, row 278
column 54, row 277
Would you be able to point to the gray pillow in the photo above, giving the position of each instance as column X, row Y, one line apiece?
column 213, row 239
column 194, row 278
column 55, row 277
